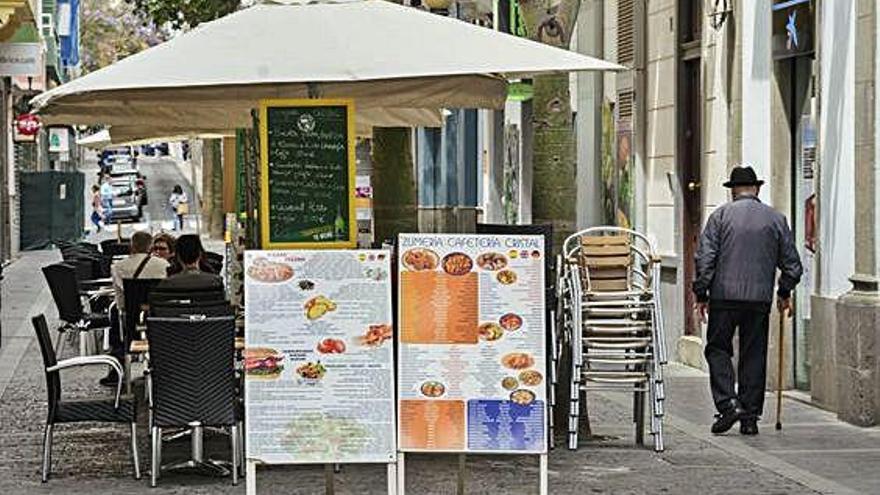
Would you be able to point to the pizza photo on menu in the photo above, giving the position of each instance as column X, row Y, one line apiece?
column 263, row 270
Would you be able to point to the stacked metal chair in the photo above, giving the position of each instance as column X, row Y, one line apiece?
column 614, row 322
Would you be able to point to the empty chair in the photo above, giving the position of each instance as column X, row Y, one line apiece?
column 66, row 293
column 616, row 325
column 193, row 385
column 117, row 410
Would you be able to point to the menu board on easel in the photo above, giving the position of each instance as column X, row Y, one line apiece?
column 472, row 344
column 307, row 159
column 319, row 367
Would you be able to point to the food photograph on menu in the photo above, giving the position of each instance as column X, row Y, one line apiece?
column 471, row 345
column 318, row 360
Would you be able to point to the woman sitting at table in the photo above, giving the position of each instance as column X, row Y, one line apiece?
column 191, row 277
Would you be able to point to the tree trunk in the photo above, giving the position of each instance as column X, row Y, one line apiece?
column 212, row 188
column 394, row 191
column 554, row 186
column 554, row 189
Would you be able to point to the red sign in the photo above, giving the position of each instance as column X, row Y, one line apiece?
column 27, row 124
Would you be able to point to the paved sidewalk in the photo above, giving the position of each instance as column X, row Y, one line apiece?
column 813, row 454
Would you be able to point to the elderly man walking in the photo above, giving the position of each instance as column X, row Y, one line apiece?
column 743, row 244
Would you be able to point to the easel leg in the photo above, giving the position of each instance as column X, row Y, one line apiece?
column 542, row 473
column 392, row 478
column 401, row 474
column 461, row 467
column 329, row 489
column 251, row 478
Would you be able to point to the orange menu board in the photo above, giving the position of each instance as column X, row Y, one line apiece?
column 442, row 309
column 471, row 347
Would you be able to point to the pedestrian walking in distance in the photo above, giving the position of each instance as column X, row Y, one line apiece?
column 741, row 247
column 97, row 208
column 180, row 205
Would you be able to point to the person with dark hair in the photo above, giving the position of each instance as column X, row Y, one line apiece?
column 190, row 255
column 139, row 264
column 741, row 248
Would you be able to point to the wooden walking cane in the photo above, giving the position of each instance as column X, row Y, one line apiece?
column 779, row 370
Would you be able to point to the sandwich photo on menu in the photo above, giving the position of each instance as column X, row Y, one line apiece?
column 263, row 363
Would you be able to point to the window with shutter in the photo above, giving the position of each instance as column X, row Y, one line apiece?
column 625, row 32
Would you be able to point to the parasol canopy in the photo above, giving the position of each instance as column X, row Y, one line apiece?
column 401, row 66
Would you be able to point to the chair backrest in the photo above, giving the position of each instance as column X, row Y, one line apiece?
column 113, row 247
column 193, row 370
column 64, row 287
column 53, row 379
column 163, row 296
column 606, row 261
column 136, row 292
column 166, row 310
column 214, row 260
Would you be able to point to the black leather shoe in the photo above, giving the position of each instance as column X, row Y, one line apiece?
column 728, row 418
column 748, row 426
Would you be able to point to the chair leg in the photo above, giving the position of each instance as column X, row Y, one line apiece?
column 47, row 451
column 235, row 453
column 134, row 452
column 59, row 346
column 156, row 451
column 241, row 449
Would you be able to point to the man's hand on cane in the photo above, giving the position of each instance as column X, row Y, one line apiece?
column 784, row 306
column 703, row 310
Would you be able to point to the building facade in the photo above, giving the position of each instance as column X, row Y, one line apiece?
column 787, row 86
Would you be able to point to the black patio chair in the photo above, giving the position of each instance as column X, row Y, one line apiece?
column 136, row 292
column 66, row 293
column 214, row 261
column 166, row 297
column 118, row 410
column 114, row 247
column 193, row 385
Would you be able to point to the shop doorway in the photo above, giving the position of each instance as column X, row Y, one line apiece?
column 690, row 147
column 793, row 51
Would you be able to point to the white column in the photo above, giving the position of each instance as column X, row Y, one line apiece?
column 836, row 222
column 757, row 69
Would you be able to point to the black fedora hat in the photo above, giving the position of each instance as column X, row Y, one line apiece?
column 743, row 176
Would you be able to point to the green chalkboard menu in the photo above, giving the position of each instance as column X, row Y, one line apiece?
column 307, row 159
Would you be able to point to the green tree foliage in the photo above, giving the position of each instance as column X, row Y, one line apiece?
column 184, row 14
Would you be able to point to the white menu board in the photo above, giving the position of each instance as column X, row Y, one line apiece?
column 472, row 344
column 319, row 367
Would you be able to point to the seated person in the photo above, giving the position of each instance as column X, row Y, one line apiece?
column 163, row 247
column 192, row 277
column 139, row 264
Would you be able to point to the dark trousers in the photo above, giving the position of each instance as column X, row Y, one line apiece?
column 753, row 325
column 117, row 346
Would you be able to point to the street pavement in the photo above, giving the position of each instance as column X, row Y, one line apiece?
column 814, row 453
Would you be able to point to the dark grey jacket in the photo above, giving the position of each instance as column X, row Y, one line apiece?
column 743, row 244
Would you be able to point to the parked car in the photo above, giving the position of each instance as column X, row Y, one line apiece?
column 126, row 202
column 122, row 156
